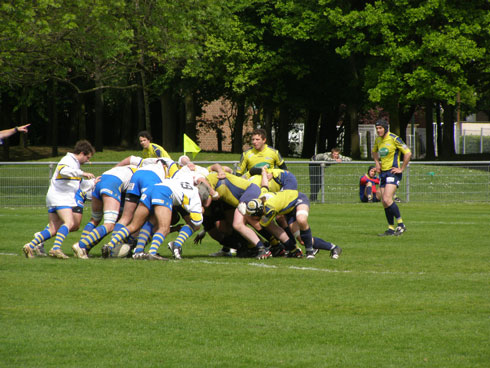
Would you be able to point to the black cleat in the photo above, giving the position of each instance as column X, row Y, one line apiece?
column 400, row 229
column 389, row 232
column 335, row 252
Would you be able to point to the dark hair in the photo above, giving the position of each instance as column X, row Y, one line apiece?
column 260, row 132
column 83, row 146
column 371, row 167
column 335, row 149
column 145, row 134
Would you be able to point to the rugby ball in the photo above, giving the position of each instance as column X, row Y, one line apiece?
column 121, row 250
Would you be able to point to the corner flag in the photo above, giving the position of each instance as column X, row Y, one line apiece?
column 190, row 146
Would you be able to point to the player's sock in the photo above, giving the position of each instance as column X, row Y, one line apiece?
column 92, row 238
column 60, row 236
column 143, row 237
column 265, row 234
column 307, row 239
column 184, row 234
column 290, row 244
column 117, row 227
column 288, row 231
column 319, row 243
column 40, row 237
column 87, row 229
column 118, row 237
column 156, row 241
column 390, row 218
column 396, row 213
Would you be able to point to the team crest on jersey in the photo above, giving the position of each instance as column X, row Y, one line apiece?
column 131, row 186
column 383, row 152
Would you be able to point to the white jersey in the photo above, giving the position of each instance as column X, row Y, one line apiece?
column 186, row 195
column 157, row 168
column 199, row 172
column 65, row 182
column 124, row 173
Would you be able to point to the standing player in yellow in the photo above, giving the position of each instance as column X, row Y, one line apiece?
column 150, row 150
column 260, row 155
column 386, row 153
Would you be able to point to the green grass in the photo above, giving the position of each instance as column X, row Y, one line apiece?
column 419, row 300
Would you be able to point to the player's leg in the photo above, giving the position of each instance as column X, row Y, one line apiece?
column 302, row 213
column 240, row 225
column 140, row 215
column 163, row 217
column 391, row 209
column 40, row 237
column 68, row 221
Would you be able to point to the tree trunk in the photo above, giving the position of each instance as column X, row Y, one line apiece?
column 283, row 130
column 310, row 134
column 127, row 136
column 190, row 116
column 268, row 117
column 351, row 133
column 53, row 121
column 429, row 132
column 99, row 118
column 448, row 135
column 404, row 117
column 237, row 144
column 169, row 122
column 329, row 133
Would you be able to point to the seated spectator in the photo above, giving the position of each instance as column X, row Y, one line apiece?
column 367, row 186
column 315, row 169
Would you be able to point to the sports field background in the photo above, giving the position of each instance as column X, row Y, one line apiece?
column 419, row 300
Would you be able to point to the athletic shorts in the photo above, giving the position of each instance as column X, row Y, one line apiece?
column 157, row 195
column 109, row 185
column 302, row 199
column 387, row 177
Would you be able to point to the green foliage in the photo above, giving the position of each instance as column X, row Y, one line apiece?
column 416, row 300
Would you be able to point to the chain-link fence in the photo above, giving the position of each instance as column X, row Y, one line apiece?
column 26, row 184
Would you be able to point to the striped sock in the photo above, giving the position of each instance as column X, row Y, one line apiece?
column 87, row 229
column 60, row 236
column 40, row 237
column 118, row 237
column 143, row 236
column 92, row 238
column 184, row 234
column 157, row 240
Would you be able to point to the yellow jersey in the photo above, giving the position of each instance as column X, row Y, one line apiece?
column 389, row 148
column 229, row 189
column 279, row 203
column 252, row 157
column 154, row 150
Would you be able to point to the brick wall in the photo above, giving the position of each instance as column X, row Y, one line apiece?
column 219, row 110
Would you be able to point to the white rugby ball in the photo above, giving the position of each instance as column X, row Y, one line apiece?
column 121, row 250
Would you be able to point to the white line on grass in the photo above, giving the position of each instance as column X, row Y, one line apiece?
column 8, row 254
column 316, row 269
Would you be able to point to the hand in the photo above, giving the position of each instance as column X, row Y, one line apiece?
column 88, row 175
column 396, row 170
column 199, row 237
column 23, row 128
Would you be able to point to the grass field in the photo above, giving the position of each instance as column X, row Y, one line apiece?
column 419, row 300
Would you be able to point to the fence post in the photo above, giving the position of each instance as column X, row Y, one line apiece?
column 481, row 140
column 322, row 180
column 407, row 183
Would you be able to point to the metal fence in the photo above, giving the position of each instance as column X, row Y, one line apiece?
column 26, row 183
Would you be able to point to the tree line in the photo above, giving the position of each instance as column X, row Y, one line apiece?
column 103, row 70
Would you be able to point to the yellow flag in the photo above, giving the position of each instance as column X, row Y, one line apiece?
column 190, row 146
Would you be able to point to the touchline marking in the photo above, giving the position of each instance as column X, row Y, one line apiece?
column 316, row 269
column 8, row 254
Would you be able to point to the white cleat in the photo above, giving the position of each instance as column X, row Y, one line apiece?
column 79, row 252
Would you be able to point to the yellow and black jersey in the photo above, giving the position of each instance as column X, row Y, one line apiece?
column 389, row 148
column 230, row 189
column 252, row 157
column 154, row 150
column 280, row 203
